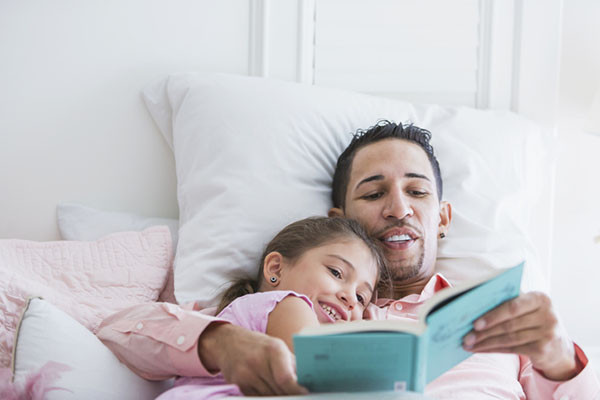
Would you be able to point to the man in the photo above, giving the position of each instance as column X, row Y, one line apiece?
column 389, row 180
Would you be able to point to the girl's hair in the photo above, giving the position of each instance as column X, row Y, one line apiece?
column 300, row 236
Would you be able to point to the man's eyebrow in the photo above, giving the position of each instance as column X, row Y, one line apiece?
column 370, row 179
column 415, row 175
column 381, row 177
column 348, row 263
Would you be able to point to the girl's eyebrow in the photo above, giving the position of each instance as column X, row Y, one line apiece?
column 343, row 260
column 349, row 264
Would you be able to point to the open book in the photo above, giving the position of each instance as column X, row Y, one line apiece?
column 396, row 354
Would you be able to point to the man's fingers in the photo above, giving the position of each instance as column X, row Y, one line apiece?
column 284, row 375
column 272, row 373
column 506, row 341
column 524, row 304
column 528, row 321
column 256, row 387
column 527, row 348
column 257, row 363
column 249, row 381
column 526, row 325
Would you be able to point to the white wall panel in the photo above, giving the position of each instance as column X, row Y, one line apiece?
column 575, row 271
column 418, row 50
column 283, row 39
column 453, row 80
column 497, row 51
column 72, row 124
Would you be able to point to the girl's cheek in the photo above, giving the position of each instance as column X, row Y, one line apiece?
column 357, row 316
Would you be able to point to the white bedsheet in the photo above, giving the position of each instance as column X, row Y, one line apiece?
column 350, row 396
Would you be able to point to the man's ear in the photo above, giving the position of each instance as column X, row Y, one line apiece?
column 445, row 217
column 273, row 267
column 335, row 212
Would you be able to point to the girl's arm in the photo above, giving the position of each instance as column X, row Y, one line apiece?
column 290, row 316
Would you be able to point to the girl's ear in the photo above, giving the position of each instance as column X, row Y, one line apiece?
column 272, row 268
column 335, row 212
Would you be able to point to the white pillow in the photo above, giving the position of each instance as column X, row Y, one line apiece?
column 79, row 222
column 48, row 334
column 254, row 154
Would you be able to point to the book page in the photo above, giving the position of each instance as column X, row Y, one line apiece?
column 447, row 325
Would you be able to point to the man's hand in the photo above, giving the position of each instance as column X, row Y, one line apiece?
column 526, row 325
column 257, row 363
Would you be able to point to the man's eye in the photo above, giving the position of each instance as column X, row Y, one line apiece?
column 335, row 272
column 373, row 196
column 418, row 193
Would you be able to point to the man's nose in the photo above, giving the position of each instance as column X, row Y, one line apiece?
column 398, row 206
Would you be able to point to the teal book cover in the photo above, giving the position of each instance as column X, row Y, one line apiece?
column 400, row 355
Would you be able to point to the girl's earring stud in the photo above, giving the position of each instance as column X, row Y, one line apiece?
column 273, row 279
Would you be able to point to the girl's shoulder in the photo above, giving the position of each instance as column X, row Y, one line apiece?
column 252, row 310
column 268, row 300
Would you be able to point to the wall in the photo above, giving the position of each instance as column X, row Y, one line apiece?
column 576, row 254
column 73, row 126
column 50, row 100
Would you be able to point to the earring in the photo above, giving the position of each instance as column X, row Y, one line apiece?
column 273, row 279
column 442, row 235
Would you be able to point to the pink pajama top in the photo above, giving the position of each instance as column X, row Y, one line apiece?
column 159, row 340
column 251, row 312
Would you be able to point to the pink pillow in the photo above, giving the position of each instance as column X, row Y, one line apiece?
column 88, row 280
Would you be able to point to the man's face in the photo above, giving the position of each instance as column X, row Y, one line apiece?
column 392, row 192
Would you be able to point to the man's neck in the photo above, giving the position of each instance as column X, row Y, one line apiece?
column 403, row 288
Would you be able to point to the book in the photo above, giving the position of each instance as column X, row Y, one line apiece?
column 401, row 355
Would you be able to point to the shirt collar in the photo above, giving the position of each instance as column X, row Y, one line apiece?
column 434, row 285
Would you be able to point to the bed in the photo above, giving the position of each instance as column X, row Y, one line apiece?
column 120, row 116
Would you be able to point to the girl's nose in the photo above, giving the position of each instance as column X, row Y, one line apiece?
column 349, row 301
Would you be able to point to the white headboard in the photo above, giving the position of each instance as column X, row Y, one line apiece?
column 73, row 126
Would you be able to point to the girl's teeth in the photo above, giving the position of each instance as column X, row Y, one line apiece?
column 330, row 311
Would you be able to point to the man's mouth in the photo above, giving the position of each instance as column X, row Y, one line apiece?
column 398, row 238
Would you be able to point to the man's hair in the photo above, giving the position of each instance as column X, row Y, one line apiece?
column 380, row 131
column 297, row 238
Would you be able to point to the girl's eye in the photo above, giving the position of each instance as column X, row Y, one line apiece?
column 360, row 299
column 373, row 196
column 335, row 272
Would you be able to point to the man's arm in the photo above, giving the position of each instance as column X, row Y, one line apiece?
column 527, row 325
column 162, row 340
column 257, row 363
column 585, row 385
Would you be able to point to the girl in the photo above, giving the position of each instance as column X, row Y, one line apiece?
column 316, row 270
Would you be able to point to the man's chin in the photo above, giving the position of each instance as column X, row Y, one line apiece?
column 404, row 273
column 405, row 269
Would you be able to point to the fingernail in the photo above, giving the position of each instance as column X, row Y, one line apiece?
column 469, row 340
column 479, row 324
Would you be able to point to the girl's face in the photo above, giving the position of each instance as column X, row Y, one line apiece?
column 338, row 277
